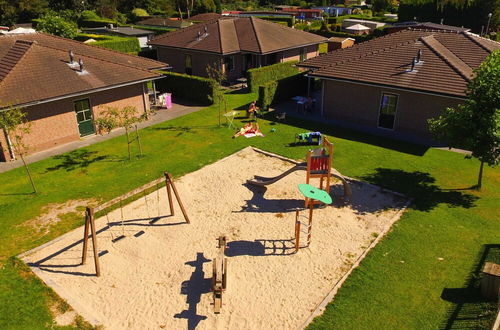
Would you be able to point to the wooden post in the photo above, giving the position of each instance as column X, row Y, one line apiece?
column 90, row 222
column 169, row 194
column 309, row 229
column 85, row 236
column 297, row 235
column 170, row 181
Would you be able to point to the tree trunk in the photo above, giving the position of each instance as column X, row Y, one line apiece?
column 480, row 177
column 138, row 139
column 128, row 144
column 29, row 173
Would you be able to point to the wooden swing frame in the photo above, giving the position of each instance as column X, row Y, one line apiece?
column 91, row 211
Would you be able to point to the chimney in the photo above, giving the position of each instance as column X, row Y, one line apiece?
column 80, row 63
column 199, row 36
column 206, row 31
column 419, row 55
column 413, row 64
column 71, row 57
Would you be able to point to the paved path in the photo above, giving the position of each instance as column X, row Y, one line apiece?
column 162, row 115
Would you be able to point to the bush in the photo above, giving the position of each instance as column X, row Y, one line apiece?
column 121, row 44
column 276, row 91
column 189, row 88
column 261, row 76
column 139, row 12
column 56, row 25
column 89, row 15
column 98, row 22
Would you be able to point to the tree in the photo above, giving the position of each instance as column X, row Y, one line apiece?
column 56, row 25
column 16, row 126
column 218, row 6
column 216, row 73
column 475, row 125
column 126, row 117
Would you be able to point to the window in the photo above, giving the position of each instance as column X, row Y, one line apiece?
column 188, row 64
column 303, row 54
column 387, row 114
column 228, row 63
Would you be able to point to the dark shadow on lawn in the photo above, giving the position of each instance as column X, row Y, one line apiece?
column 183, row 129
column 261, row 247
column 80, row 159
column 193, row 289
column 421, row 186
column 350, row 134
column 470, row 310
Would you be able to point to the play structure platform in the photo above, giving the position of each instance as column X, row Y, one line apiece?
column 318, row 165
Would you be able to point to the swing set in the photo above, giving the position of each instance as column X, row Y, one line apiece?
column 91, row 211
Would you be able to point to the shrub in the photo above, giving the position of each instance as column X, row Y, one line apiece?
column 124, row 45
column 280, row 90
column 139, row 12
column 98, row 22
column 89, row 15
column 189, row 88
column 261, row 76
column 56, row 25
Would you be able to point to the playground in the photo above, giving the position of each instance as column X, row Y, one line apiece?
column 156, row 269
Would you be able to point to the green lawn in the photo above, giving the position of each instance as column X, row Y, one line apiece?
column 401, row 284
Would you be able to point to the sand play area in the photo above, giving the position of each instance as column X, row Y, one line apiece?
column 159, row 275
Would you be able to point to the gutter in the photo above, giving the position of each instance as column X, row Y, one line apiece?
column 387, row 86
column 57, row 98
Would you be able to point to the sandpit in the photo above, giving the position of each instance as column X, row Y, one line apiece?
column 159, row 275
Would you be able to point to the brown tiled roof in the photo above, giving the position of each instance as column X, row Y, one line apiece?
column 447, row 62
column 36, row 70
column 243, row 34
column 205, row 17
column 77, row 47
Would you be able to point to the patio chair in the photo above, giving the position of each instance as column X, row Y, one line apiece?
column 230, row 118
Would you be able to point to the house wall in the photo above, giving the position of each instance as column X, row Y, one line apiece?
column 54, row 123
column 343, row 104
column 294, row 54
column 200, row 61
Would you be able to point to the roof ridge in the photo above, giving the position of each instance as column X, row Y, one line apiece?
column 13, row 56
column 448, row 56
column 90, row 45
column 255, row 32
column 472, row 37
column 166, row 34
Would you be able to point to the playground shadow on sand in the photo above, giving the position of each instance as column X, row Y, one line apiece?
column 194, row 288
column 258, row 203
column 261, row 247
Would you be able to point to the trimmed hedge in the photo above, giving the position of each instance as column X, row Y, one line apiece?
column 95, row 23
column 290, row 21
column 121, row 44
column 280, row 90
column 190, row 88
column 260, row 76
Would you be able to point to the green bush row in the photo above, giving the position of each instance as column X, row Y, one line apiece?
column 260, row 76
column 290, row 21
column 95, row 23
column 383, row 19
column 277, row 91
column 156, row 30
column 121, row 44
column 186, row 87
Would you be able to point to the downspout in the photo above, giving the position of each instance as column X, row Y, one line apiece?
column 144, row 93
column 322, row 98
column 154, row 93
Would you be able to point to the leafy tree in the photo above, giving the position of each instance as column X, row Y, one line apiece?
column 218, row 6
column 19, row 11
column 475, row 125
column 16, row 126
column 127, row 118
column 56, row 25
column 217, row 73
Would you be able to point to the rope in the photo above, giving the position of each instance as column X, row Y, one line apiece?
column 147, row 206
column 121, row 212
column 158, row 199
column 109, row 226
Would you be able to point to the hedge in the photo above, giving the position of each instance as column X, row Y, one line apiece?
column 260, row 76
column 290, row 21
column 280, row 90
column 121, row 44
column 189, row 88
column 95, row 23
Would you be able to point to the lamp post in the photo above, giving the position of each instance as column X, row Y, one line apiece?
column 488, row 25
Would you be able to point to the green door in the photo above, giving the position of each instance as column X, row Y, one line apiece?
column 84, row 117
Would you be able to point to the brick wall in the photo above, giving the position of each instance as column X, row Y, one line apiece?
column 175, row 58
column 54, row 123
column 294, row 54
column 342, row 103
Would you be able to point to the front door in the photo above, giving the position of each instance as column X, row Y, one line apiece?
column 84, row 117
